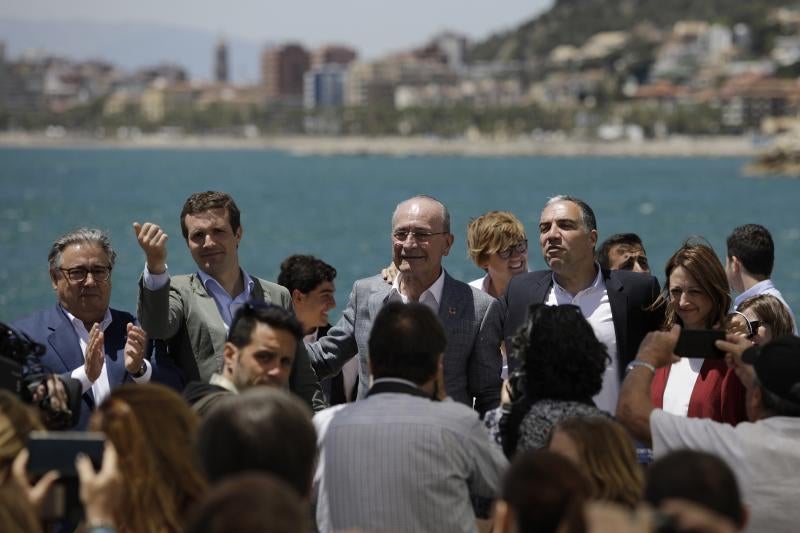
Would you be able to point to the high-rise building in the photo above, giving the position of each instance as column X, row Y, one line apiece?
column 333, row 55
column 221, row 61
column 324, row 87
column 282, row 70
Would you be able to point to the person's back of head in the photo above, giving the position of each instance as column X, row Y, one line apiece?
column 752, row 245
column 776, row 380
column 542, row 492
column 17, row 420
column 17, row 515
column 263, row 429
column 154, row 432
column 605, row 453
column 559, row 353
column 253, row 502
column 561, row 359
column 406, row 342
column 699, row 477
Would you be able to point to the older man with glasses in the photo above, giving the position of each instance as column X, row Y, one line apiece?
column 420, row 239
column 84, row 338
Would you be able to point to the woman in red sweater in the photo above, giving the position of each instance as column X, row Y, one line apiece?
column 697, row 296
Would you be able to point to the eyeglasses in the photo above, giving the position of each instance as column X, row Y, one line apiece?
column 752, row 325
column 401, row 235
column 519, row 248
column 78, row 275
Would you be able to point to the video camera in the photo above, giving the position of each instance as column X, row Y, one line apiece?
column 22, row 373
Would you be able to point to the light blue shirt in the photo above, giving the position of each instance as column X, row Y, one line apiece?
column 227, row 306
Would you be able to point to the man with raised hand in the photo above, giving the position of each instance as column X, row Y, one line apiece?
column 193, row 312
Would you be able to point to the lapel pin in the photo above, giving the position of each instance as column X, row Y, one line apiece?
column 451, row 311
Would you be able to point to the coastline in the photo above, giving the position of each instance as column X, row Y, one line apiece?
column 675, row 146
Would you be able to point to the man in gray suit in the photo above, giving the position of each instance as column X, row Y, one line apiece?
column 194, row 312
column 420, row 239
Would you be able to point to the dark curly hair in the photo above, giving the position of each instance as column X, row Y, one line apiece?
column 560, row 359
column 560, row 356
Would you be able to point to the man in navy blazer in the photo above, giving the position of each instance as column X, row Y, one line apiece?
column 84, row 338
column 615, row 302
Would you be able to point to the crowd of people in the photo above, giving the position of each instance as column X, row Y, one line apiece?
column 523, row 401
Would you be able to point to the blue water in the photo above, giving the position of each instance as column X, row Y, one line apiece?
column 339, row 207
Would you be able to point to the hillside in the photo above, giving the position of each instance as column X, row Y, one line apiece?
column 574, row 21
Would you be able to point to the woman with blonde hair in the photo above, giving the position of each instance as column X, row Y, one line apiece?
column 605, row 453
column 497, row 244
column 761, row 318
column 697, row 296
column 154, row 433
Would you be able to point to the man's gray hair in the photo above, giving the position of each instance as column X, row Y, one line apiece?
column 445, row 211
column 587, row 215
column 80, row 236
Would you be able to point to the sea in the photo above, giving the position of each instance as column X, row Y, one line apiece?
column 339, row 208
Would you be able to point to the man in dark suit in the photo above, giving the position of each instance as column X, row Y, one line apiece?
column 420, row 239
column 84, row 338
column 616, row 303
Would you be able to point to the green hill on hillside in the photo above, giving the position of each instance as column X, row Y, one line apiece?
column 574, row 21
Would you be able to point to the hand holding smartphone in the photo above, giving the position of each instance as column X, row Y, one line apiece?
column 700, row 343
column 58, row 450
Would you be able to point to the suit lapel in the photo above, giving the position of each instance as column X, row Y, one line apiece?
column 66, row 345
column 64, row 340
column 378, row 299
column 618, row 299
column 259, row 294
column 450, row 307
column 540, row 288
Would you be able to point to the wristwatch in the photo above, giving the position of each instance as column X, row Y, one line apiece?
column 139, row 373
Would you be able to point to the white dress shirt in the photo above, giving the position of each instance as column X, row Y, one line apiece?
column 101, row 386
column 432, row 296
column 596, row 308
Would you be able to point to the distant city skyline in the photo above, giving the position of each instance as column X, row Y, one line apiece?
column 372, row 27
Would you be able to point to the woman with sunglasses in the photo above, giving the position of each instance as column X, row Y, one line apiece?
column 761, row 318
column 697, row 296
column 496, row 243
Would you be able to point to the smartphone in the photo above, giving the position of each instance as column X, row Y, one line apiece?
column 700, row 343
column 58, row 450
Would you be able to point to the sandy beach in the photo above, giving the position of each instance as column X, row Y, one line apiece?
column 675, row 146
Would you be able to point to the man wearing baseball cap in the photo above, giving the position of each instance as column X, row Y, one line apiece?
column 764, row 453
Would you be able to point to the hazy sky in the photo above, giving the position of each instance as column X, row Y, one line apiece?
column 374, row 27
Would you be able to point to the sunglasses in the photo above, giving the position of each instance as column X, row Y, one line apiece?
column 752, row 325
